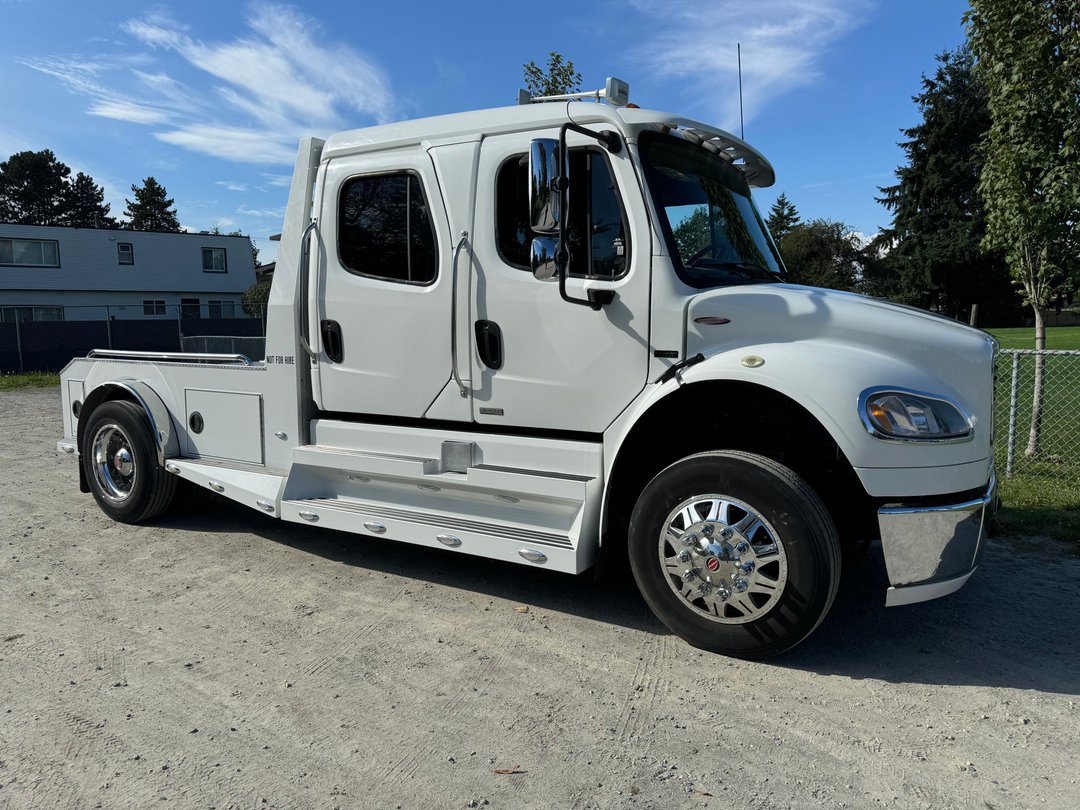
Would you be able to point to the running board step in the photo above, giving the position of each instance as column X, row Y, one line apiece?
column 494, row 540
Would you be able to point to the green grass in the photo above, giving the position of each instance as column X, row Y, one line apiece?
column 1057, row 337
column 31, row 379
column 1033, row 505
column 1043, row 495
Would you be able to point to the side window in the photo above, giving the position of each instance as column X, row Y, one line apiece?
column 385, row 229
column 596, row 228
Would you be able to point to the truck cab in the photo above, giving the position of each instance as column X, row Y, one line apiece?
column 560, row 333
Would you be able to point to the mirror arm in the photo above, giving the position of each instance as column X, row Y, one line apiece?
column 613, row 143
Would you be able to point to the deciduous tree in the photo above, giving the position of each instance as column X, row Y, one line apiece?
column 558, row 78
column 1028, row 55
column 823, row 253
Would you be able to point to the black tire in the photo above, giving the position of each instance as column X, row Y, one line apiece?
column 789, row 587
column 119, row 458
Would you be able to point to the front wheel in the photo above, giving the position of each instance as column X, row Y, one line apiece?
column 735, row 553
column 120, row 461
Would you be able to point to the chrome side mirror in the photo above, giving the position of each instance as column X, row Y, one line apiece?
column 544, row 267
column 545, row 164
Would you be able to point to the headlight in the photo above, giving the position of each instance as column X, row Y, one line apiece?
column 912, row 416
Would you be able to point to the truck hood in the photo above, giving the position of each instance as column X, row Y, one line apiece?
column 754, row 315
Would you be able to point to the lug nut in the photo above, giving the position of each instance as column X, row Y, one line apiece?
column 742, row 547
column 707, row 530
column 684, row 556
column 741, row 585
column 690, row 539
column 704, row 589
column 723, row 594
column 690, row 575
column 727, row 534
column 747, row 567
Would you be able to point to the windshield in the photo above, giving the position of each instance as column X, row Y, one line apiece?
column 716, row 234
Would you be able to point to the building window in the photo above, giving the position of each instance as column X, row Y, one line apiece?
column 153, row 307
column 213, row 260
column 596, row 227
column 30, row 252
column 221, row 309
column 125, row 252
column 189, row 307
column 385, row 230
column 25, row 314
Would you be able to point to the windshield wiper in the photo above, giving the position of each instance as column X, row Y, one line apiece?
column 741, row 268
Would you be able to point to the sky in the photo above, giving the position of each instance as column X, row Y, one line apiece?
column 211, row 98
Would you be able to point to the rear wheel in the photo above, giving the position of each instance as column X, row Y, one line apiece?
column 735, row 553
column 119, row 457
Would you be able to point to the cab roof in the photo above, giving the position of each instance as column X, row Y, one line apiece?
column 476, row 124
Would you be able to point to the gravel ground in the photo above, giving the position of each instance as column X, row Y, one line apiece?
column 223, row 659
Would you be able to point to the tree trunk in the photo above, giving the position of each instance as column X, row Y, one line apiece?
column 1035, row 434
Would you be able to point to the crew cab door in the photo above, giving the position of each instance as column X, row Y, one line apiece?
column 382, row 308
column 561, row 366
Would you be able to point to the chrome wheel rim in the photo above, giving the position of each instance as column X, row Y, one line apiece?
column 722, row 559
column 114, row 463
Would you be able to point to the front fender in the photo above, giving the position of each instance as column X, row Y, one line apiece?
column 825, row 377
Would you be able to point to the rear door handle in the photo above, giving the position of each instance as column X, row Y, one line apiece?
column 332, row 342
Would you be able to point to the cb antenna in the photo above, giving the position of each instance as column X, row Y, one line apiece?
column 742, row 128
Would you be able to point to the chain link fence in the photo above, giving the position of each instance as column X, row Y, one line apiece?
column 1038, row 417
column 45, row 338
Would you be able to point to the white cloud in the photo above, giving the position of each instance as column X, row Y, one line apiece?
column 782, row 42
column 278, row 180
column 231, row 185
column 274, row 213
column 130, row 111
column 258, row 93
column 231, row 143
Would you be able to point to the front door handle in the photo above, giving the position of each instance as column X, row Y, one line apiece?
column 332, row 343
column 489, row 344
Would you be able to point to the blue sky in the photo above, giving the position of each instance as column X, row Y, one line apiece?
column 211, row 98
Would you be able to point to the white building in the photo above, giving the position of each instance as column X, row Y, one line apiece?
column 72, row 274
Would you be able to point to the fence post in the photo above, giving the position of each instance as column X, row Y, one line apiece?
column 108, row 325
column 18, row 337
column 1014, row 394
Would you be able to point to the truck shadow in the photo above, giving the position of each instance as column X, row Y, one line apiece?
column 1016, row 624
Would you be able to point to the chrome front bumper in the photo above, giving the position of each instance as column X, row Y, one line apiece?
column 930, row 551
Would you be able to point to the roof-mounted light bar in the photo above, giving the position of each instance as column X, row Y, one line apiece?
column 615, row 92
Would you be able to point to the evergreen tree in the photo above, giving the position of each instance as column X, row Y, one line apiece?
column 86, row 206
column 33, row 188
column 557, row 79
column 152, row 209
column 1029, row 59
column 782, row 218
column 938, row 219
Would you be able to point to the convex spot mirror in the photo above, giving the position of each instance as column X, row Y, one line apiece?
column 544, row 266
column 545, row 167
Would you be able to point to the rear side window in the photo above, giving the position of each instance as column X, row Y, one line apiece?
column 595, row 228
column 385, row 229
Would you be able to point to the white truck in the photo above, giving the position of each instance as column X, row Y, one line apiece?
column 559, row 334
